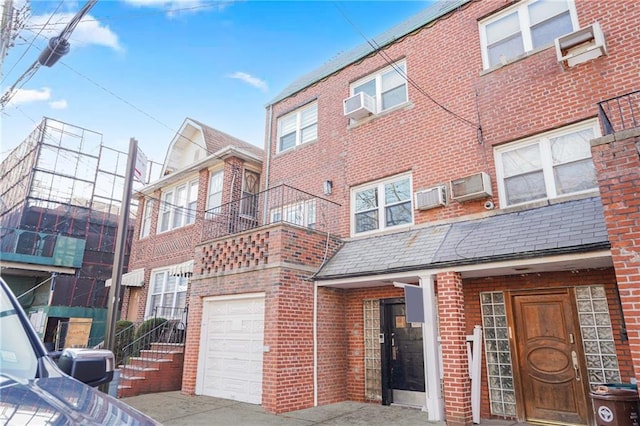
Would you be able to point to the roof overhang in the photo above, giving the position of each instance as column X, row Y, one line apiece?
column 566, row 262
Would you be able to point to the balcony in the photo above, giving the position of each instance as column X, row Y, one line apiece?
column 280, row 204
column 620, row 113
column 40, row 248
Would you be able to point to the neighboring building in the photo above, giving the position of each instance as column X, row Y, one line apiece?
column 204, row 169
column 58, row 222
column 460, row 163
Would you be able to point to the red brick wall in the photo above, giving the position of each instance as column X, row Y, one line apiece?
column 332, row 346
column 518, row 100
column 453, row 339
column 290, row 257
column 473, row 288
column 618, row 168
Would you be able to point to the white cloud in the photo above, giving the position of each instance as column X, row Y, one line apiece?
column 59, row 104
column 26, row 96
column 88, row 32
column 176, row 7
column 250, row 80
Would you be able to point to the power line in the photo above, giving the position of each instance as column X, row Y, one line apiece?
column 32, row 41
column 379, row 50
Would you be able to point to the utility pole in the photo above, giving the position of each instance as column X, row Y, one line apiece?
column 121, row 239
column 6, row 29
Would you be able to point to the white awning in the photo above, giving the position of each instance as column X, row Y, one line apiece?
column 134, row 278
column 184, row 269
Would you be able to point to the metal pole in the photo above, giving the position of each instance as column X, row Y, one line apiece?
column 118, row 258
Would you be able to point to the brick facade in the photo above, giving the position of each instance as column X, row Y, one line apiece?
column 617, row 160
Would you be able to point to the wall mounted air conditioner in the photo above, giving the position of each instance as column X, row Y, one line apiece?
column 471, row 187
column 359, row 106
column 431, row 198
column 581, row 46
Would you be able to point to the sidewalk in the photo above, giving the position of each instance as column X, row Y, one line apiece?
column 174, row 408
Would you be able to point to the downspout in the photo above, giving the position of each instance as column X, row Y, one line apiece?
column 267, row 166
column 315, row 344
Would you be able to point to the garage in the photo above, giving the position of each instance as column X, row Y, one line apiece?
column 232, row 336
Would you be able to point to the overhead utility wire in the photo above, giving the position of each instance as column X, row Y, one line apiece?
column 56, row 48
column 377, row 49
column 32, row 41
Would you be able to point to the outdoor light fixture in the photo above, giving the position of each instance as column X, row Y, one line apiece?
column 327, row 187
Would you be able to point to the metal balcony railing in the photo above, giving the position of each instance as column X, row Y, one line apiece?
column 620, row 113
column 280, row 204
column 41, row 248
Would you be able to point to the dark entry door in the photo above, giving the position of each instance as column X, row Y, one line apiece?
column 402, row 356
column 549, row 356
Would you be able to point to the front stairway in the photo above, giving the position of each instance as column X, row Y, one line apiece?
column 157, row 369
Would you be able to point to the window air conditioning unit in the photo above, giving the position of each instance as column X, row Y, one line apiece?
column 431, row 198
column 359, row 106
column 471, row 187
column 581, row 46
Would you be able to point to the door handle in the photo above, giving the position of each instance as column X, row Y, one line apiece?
column 576, row 366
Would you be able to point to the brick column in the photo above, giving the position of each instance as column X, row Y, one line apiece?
column 617, row 161
column 455, row 364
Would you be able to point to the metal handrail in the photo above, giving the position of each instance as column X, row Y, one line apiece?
column 619, row 113
column 279, row 204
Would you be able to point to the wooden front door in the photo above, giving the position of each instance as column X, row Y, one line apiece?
column 548, row 356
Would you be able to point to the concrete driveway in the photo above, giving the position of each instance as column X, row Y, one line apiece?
column 174, row 408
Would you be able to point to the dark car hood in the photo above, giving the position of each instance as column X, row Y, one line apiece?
column 61, row 401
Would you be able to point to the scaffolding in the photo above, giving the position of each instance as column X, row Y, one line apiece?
column 63, row 182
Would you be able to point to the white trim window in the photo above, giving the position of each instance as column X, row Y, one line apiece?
column 524, row 27
column 302, row 213
column 167, row 293
column 382, row 205
column 178, row 207
column 549, row 165
column 145, row 227
column 214, row 199
column 298, row 127
column 387, row 86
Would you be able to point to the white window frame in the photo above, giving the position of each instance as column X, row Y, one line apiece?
column 214, row 196
column 302, row 213
column 381, row 204
column 178, row 206
column 299, row 126
column 396, row 67
column 522, row 9
column 543, row 141
column 180, row 285
column 145, row 226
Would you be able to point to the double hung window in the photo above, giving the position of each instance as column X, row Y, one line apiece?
column 382, row 205
column 547, row 166
column 145, row 228
column 524, row 27
column 167, row 295
column 298, row 127
column 388, row 86
column 214, row 199
column 178, row 207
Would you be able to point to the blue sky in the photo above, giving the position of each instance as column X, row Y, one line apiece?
column 138, row 68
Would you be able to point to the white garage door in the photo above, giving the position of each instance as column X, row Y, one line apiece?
column 232, row 342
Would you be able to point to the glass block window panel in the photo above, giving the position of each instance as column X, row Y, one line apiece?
column 597, row 335
column 372, row 372
column 502, row 396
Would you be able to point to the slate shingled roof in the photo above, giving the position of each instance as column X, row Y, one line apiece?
column 570, row 227
column 428, row 15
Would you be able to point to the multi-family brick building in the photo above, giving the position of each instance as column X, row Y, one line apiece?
column 449, row 159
